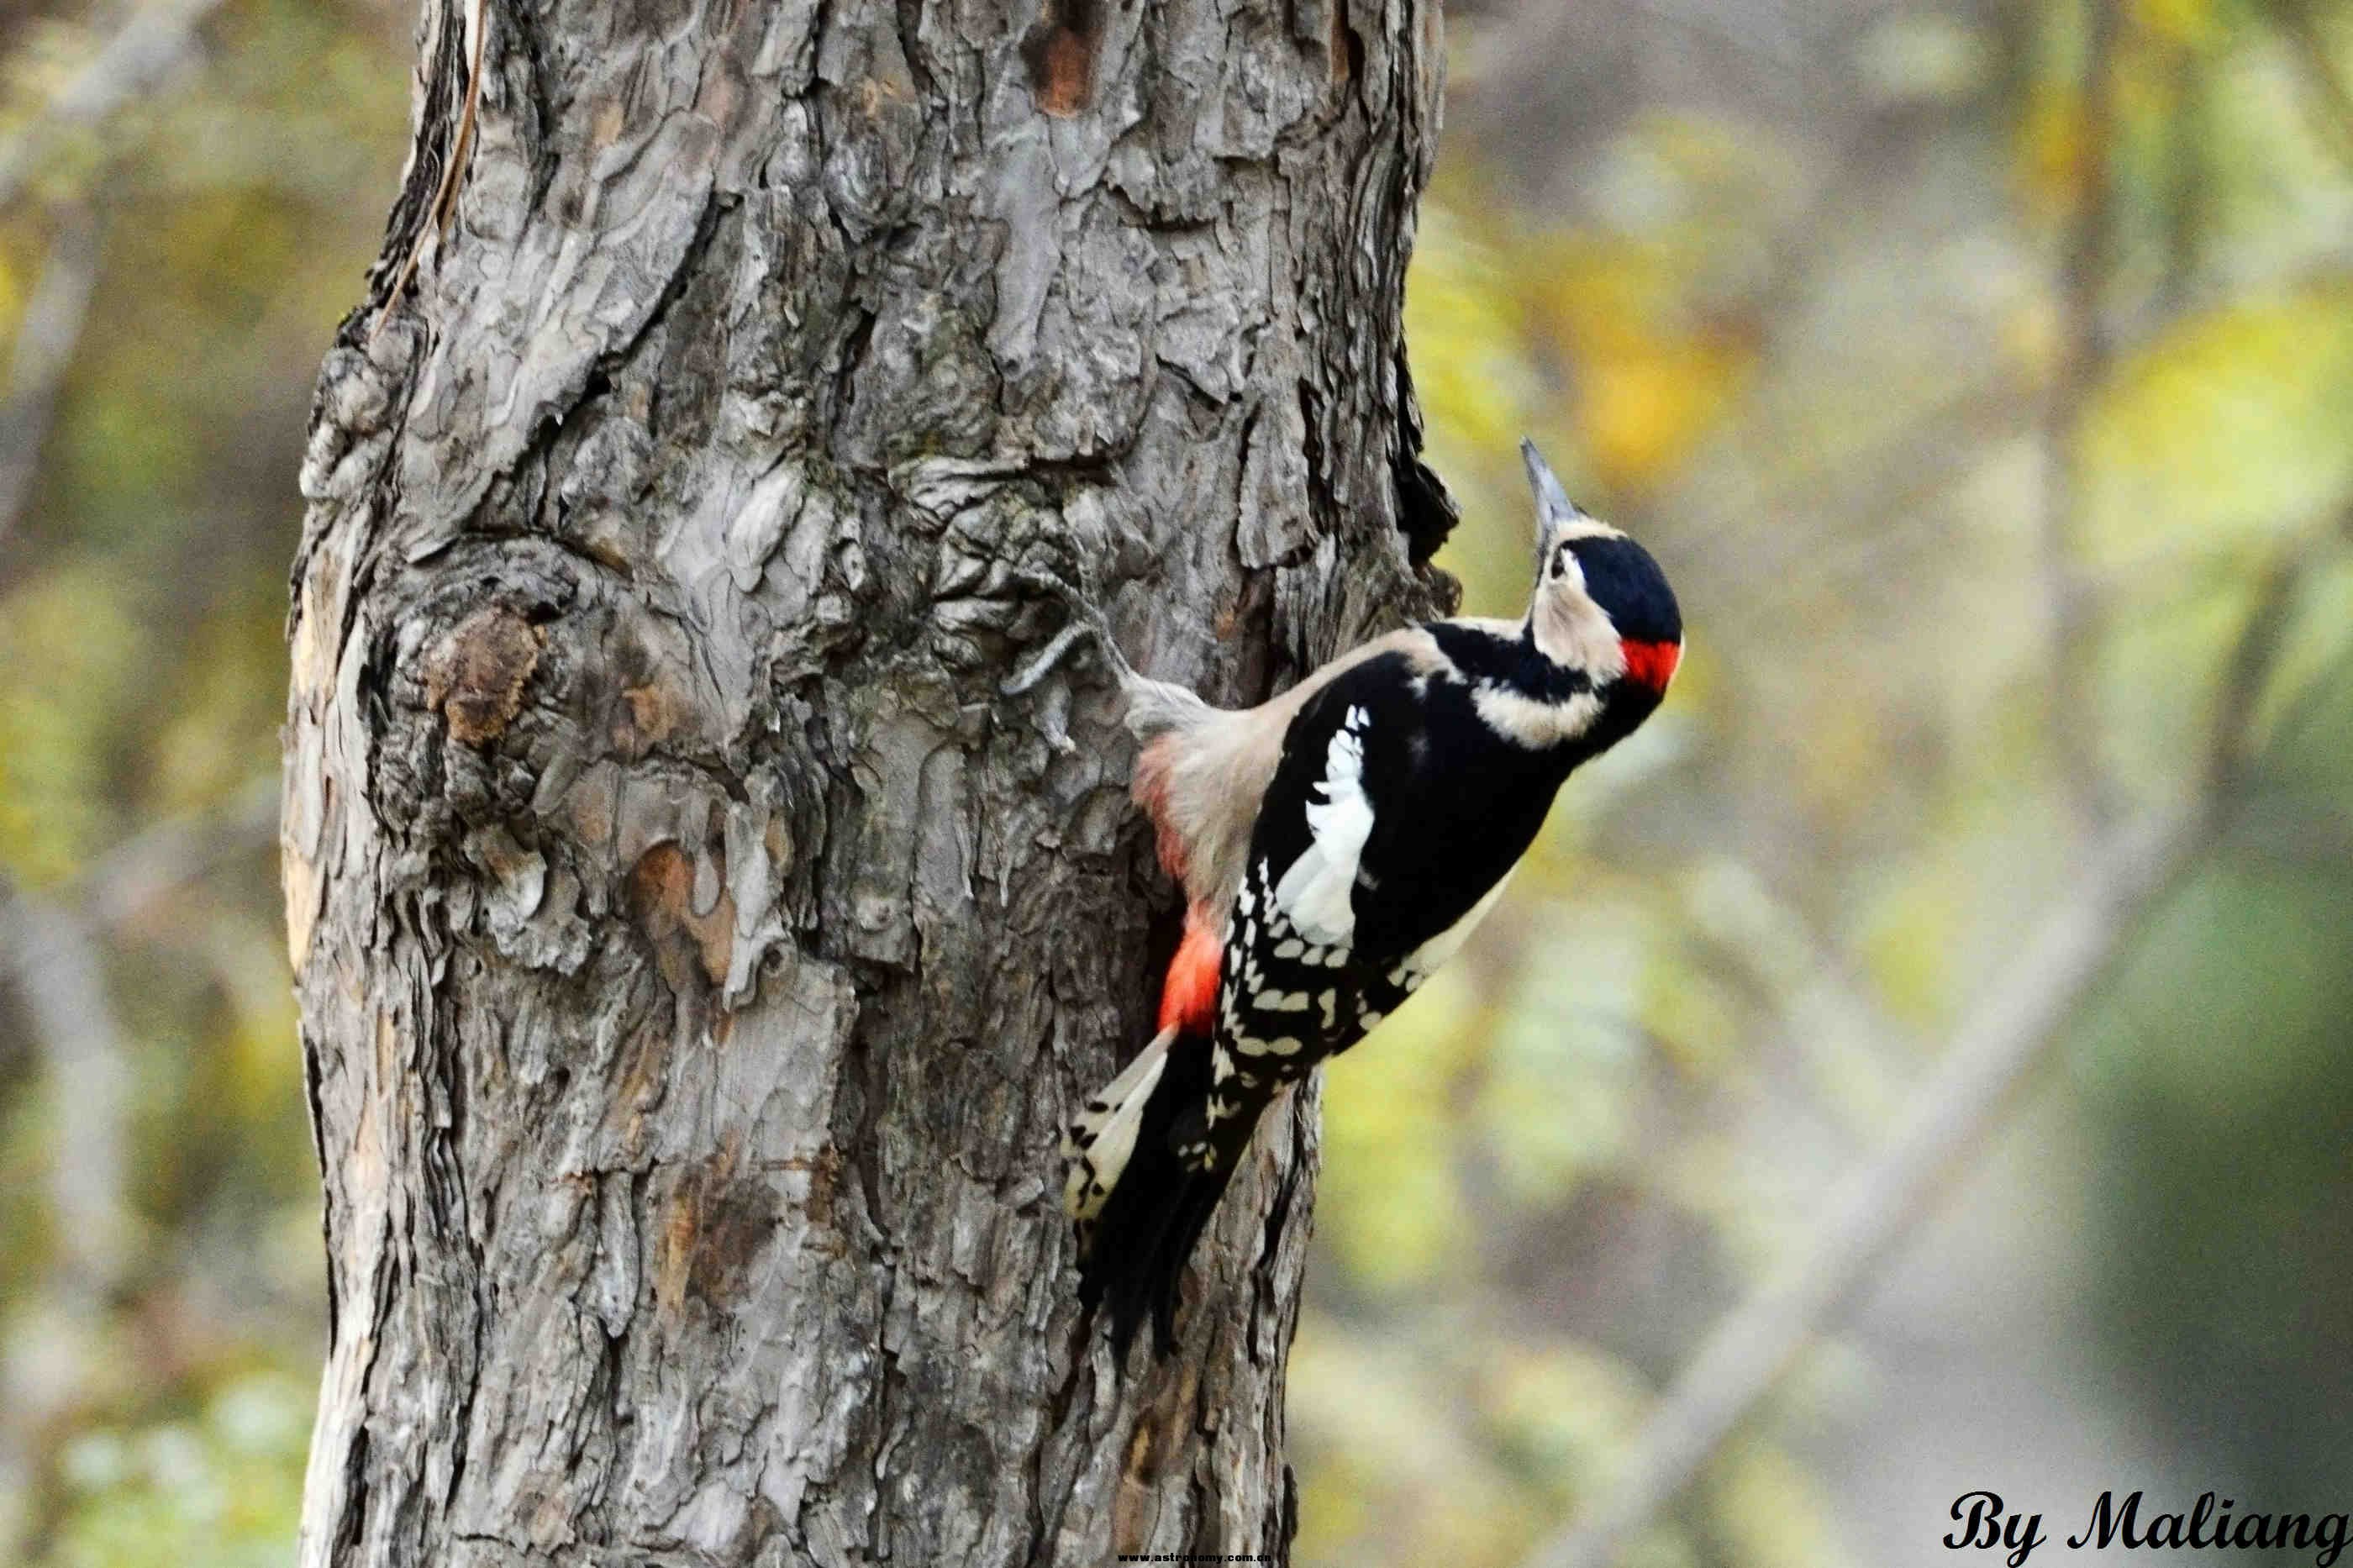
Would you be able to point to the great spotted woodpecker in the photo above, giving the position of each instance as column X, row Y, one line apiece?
column 1336, row 845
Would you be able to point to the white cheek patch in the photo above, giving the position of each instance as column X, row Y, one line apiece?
column 1532, row 723
column 1570, row 629
column 1315, row 892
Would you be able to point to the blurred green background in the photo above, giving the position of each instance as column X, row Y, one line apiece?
column 1972, row 367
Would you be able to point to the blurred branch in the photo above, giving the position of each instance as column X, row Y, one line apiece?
column 1890, row 484
column 52, row 958
column 174, row 853
column 2186, row 180
column 1996, row 1047
column 50, row 952
column 45, row 348
column 2332, row 95
column 1990, row 1054
column 146, row 47
column 141, row 53
column 2075, row 608
column 2252, row 660
column 2314, row 835
column 1511, row 55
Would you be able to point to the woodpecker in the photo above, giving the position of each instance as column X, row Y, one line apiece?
column 1336, row 845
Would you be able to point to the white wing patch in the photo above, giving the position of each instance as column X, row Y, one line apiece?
column 1316, row 891
column 1101, row 1136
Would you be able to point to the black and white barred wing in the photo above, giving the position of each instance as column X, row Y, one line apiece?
column 1346, row 906
column 1293, row 970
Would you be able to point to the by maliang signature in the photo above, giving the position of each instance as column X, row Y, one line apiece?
column 1984, row 1522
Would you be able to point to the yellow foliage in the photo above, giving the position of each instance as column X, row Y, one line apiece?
column 220, row 710
column 1648, row 386
column 11, row 299
column 1691, row 1018
column 2229, row 426
column 2052, row 148
column 1566, row 1049
column 1602, row 291
column 1842, row 717
column 1391, row 1463
column 1908, row 934
column 1470, row 355
column 2158, row 715
column 1390, row 1201
column 1485, row 311
column 1863, row 570
column 1646, row 404
column 1772, row 1507
column 2190, row 23
column 1570, row 1409
column 67, row 647
column 2317, row 638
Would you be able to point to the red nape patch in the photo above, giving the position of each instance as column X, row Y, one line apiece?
column 1652, row 663
column 1188, row 999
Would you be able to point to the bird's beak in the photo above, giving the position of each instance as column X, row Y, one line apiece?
column 1555, row 510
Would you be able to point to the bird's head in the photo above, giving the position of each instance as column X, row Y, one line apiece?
column 1601, row 605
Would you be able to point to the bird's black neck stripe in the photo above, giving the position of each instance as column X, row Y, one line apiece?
column 1515, row 662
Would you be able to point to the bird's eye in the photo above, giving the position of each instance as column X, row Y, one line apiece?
column 1561, row 562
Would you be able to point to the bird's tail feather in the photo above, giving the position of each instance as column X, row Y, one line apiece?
column 1141, row 1209
column 1157, row 707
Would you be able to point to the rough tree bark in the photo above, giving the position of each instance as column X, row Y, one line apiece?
column 697, row 958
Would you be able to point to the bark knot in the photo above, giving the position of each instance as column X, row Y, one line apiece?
column 476, row 675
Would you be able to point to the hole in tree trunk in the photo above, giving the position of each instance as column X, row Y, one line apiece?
column 1061, row 54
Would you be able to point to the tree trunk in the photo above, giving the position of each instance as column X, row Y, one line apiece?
column 697, row 957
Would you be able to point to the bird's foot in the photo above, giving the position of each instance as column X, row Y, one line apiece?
column 1052, row 654
column 1086, row 620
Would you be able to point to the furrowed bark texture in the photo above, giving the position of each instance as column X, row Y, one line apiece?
column 697, row 957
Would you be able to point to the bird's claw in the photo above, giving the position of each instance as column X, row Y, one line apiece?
column 1052, row 654
column 1086, row 620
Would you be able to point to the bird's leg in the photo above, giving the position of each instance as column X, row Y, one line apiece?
column 1054, row 652
column 1086, row 620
